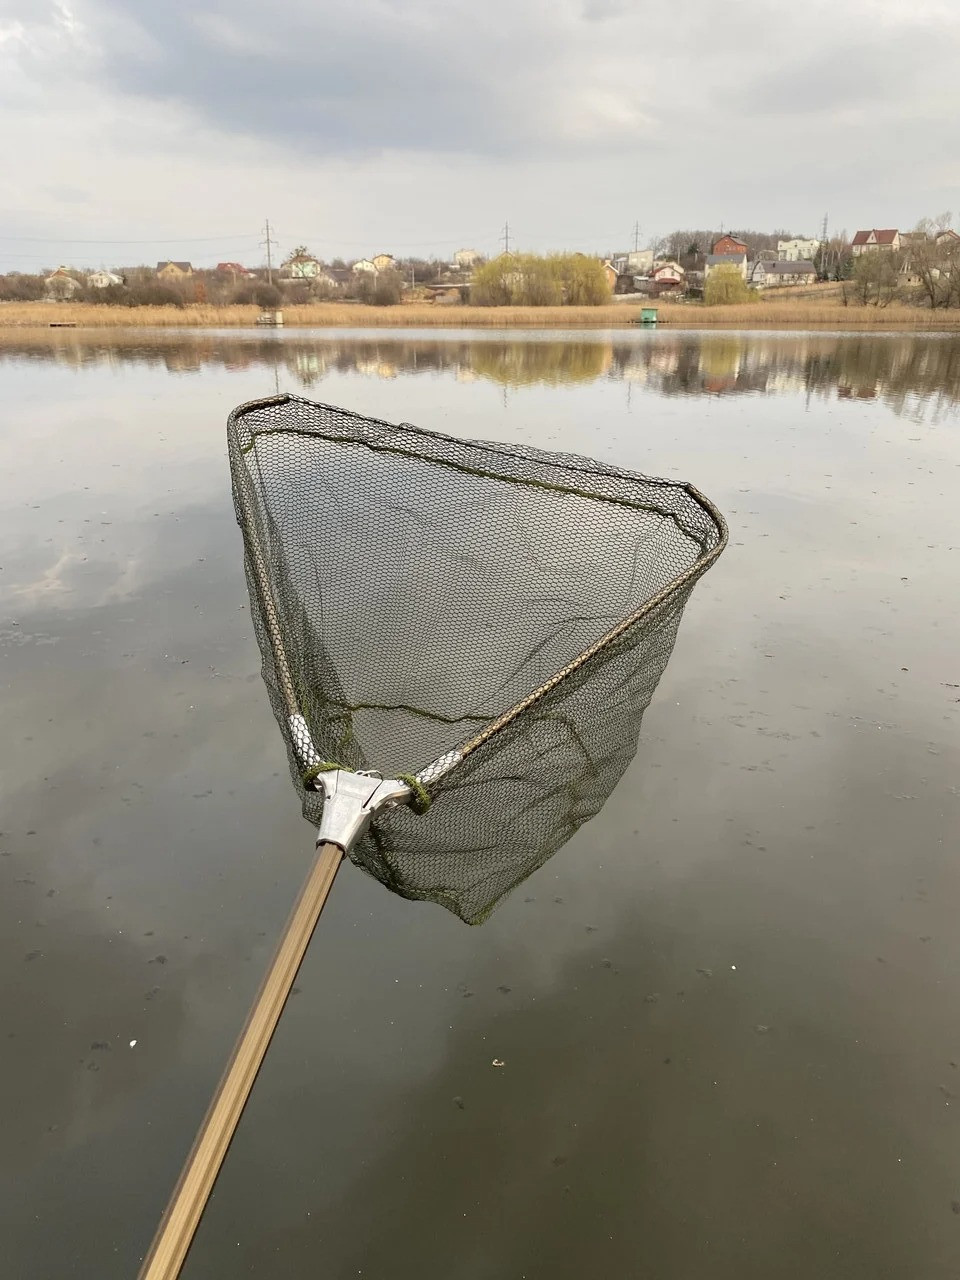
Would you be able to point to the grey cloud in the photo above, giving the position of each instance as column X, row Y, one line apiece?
column 333, row 80
column 860, row 73
column 406, row 118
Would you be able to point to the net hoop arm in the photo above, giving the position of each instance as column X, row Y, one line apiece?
column 445, row 764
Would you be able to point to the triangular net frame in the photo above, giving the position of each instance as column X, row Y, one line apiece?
column 486, row 621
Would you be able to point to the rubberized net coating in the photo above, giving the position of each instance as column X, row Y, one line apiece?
column 489, row 620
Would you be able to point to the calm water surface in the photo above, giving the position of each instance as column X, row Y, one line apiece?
column 728, row 1009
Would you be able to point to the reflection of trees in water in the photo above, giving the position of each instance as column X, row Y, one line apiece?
column 516, row 364
column 913, row 374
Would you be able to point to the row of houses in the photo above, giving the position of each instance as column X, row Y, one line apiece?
column 890, row 240
column 792, row 263
column 303, row 266
column 640, row 272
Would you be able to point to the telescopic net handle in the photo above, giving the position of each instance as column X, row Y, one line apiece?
column 176, row 1230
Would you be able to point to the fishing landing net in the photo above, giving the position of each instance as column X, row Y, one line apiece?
column 459, row 640
column 486, row 623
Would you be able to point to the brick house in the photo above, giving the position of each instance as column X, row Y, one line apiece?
column 729, row 244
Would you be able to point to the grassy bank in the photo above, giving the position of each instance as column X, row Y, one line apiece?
column 770, row 312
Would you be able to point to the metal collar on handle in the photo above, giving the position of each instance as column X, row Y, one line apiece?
column 349, row 802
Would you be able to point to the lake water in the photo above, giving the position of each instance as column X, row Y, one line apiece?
column 727, row 1010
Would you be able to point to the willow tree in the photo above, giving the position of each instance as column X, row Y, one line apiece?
column 535, row 280
column 725, row 285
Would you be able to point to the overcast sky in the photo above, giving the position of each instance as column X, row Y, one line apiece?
column 138, row 129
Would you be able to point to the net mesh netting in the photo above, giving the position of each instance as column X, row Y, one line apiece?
column 502, row 611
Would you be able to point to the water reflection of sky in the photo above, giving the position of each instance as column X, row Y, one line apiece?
column 792, row 811
column 916, row 374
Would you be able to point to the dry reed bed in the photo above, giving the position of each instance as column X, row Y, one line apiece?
column 765, row 314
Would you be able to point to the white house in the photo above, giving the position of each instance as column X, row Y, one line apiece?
column 715, row 260
column 667, row 275
column 301, row 267
column 466, row 258
column 365, row 265
column 639, row 261
column 766, row 275
column 103, row 279
column 797, row 250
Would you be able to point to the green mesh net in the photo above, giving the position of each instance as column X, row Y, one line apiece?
column 486, row 621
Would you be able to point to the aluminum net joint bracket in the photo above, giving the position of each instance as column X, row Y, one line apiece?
column 350, row 800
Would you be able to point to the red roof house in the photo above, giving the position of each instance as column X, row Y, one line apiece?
column 874, row 240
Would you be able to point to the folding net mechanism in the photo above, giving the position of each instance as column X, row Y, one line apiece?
column 459, row 640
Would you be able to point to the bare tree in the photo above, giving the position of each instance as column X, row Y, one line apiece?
column 933, row 260
column 877, row 277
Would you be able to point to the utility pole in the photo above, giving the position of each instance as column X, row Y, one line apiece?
column 636, row 236
column 506, row 237
column 823, row 247
column 269, row 242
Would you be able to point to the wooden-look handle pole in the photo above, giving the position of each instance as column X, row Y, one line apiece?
column 183, row 1213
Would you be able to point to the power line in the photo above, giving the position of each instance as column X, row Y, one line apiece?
column 268, row 242
column 152, row 240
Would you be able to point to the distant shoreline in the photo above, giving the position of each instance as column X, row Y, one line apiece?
column 766, row 313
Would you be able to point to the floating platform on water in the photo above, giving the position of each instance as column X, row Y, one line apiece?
column 272, row 318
